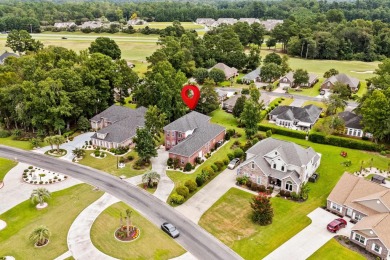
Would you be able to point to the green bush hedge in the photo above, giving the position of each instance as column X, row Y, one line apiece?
column 283, row 131
column 4, row 133
column 343, row 142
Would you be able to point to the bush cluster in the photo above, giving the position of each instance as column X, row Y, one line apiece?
column 283, row 131
column 4, row 133
column 343, row 142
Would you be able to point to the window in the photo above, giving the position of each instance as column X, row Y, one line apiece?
column 357, row 216
column 258, row 180
column 252, row 165
column 274, row 165
column 282, row 168
column 167, row 133
column 360, row 238
column 336, row 207
column 376, row 248
column 168, row 143
column 289, row 185
column 182, row 161
column 246, row 174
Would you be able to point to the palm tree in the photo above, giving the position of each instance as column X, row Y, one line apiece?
column 150, row 178
column 128, row 222
column 78, row 152
column 39, row 195
column 49, row 140
column 58, row 140
column 40, row 235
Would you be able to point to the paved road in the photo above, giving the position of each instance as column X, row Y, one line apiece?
column 193, row 238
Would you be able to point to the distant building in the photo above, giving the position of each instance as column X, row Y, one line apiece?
column 288, row 80
column 249, row 20
column 352, row 83
column 92, row 25
column 253, row 76
column 229, row 72
column 270, row 24
column 229, row 21
column 136, row 21
column 205, row 21
column 65, row 25
column 297, row 118
column 116, row 126
column 5, row 55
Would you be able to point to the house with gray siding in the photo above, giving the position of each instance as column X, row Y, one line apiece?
column 281, row 164
column 353, row 124
column 116, row 126
column 368, row 204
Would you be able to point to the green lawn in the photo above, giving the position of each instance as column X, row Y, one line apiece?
column 229, row 219
column 109, row 164
column 312, row 92
column 152, row 243
column 316, row 103
column 333, row 250
column 150, row 190
column 64, row 207
column 9, row 141
column 5, row 166
column 362, row 89
column 290, row 217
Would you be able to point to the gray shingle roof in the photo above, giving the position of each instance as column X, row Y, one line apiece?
column 253, row 75
column 345, row 79
column 308, row 114
column 188, row 122
column 6, row 55
column 290, row 153
column 125, row 125
column 113, row 114
column 290, row 76
column 351, row 120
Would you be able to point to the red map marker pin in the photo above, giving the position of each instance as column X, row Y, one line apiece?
column 190, row 99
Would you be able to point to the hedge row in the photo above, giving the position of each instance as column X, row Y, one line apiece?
column 283, row 131
column 343, row 142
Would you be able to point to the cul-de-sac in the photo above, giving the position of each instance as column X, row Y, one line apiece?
column 184, row 130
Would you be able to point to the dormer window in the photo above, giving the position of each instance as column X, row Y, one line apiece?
column 274, row 165
column 252, row 165
column 282, row 168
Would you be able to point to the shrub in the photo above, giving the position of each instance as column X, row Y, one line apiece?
column 188, row 167
column 294, row 195
column 130, row 157
column 183, row 191
column 170, row 162
column 101, row 155
column 238, row 153
column 214, row 167
column 219, row 165
column 242, row 180
column 229, row 133
column 365, row 138
column 191, row 185
column 245, row 91
column 30, row 167
column 209, row 171
column 261, row 188
column 254, row 186
column 177, row 199
column 198, row 160
column 4, row 133
column 343, row 142
column 268, row 133
column 226, row 161
column 199, row 180
column 283, row 131
column 96, row 153
column 383, row 153
column 121, row 160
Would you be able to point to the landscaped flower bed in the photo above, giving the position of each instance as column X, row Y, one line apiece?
column 55, row 153
column 98, row 154
column 121, row 233
column 34, row 175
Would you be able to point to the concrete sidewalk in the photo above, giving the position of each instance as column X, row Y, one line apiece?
column 310, row 239
column 197, row 205
column 79, row 239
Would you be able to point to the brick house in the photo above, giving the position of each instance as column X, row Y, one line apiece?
column 192, row 136
column 116, row 126
column 368, row 204
column 281, row 164
column 288, row 81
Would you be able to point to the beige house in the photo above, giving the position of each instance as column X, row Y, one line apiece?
column 229, row 72
column 368, row 204
column 281, row 164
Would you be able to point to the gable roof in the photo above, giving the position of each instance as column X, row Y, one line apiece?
column 114, row 113
column 379, row 223
column 290, row 76
column 229, row 72
column 125, row 125
column 345, row 79
column 351, row 120
column 253, row 74
column 7, row 54
column 187, row 122
column 308, row 114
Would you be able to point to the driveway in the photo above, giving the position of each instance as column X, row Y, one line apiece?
column 297, row 102
column 198, row 204
column 310, row 239
column 165, row 185
column 77, row 142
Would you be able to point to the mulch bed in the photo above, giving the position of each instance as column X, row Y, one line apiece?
column 344, row 241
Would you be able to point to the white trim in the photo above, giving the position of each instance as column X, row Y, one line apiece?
column 336, row 204
column 373, row 248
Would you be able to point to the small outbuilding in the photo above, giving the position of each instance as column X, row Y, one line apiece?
column 378, row 179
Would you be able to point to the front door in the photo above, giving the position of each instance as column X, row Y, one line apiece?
column 349, row 212
column 200, row 154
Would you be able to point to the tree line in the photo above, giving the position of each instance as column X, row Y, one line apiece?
column 20, row 14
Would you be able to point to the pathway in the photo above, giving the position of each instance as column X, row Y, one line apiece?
column 15, row 190
column 165, row 185
column 79, row 239
column 77, row 142
column 310, row 239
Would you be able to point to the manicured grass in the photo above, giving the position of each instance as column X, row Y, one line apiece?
column 352, row 68
column 152, row 243
column 312, row 92
column 362, row 89
column 333, row 250
column 316, row 103
column 5, row 166
column 64, row 207
column 150, row 190
column 229, row 219
column 109, row 164
column 9, row 141
column 225, row 119
column 286, row 102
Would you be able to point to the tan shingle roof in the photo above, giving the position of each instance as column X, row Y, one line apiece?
column 379, row 223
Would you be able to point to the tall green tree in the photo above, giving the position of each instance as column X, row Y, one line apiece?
column 239, row 106
column 250, row 117
column 330, row 73
column 155, row 120
column 217, row 75
column 273, row 58
column 301, row 77
column 270, row 72
column 144, row 144
column 21, row 41
column 208, row 100
column 106, row 46
column 200, row 75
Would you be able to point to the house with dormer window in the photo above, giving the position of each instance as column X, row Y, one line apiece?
column 192, row 136
column 281, row 164
column 368, row 204
column 116, row 126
